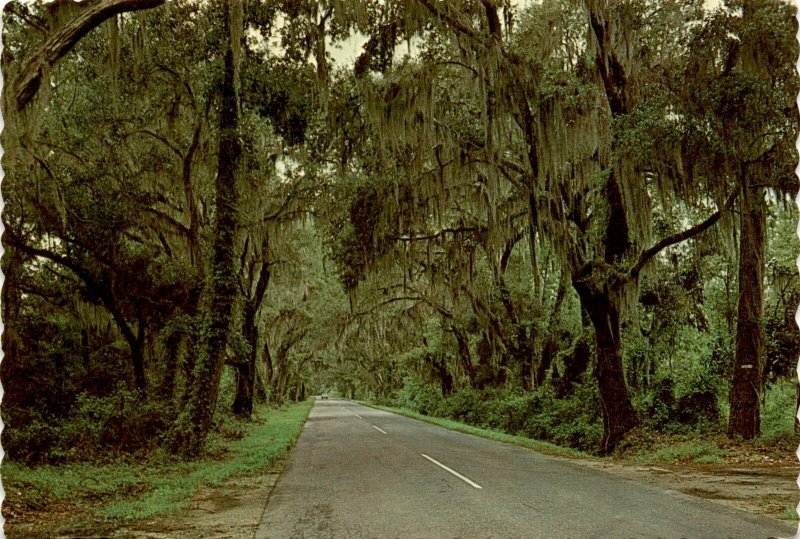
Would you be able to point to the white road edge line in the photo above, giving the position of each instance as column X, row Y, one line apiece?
column 380, row 429
column 436, row 462
column 355, row 414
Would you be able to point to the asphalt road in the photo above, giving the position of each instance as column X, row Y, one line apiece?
column 357, row 473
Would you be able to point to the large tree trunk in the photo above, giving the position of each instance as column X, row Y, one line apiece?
column 603, row 308
column 11, row 304
column 745, row 414
column 193, row 426
column 137, row 356
column 439, row 365
column 264, row 376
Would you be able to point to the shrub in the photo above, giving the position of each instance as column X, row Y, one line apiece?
column 121, row 422
column 658, row 403
column 778, row 411
column 418, row 396
column 674, row 406
column 573, row 421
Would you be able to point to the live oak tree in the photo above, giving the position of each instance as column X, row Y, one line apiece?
column 558, row 100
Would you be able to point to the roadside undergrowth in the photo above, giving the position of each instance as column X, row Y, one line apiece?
column 647, row 447
column 127, row 491
column 537, row 445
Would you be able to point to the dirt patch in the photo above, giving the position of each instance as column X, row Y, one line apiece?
column 230, row 511
column 766, row 490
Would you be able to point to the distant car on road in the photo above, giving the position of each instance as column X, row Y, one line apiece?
column 324, row 396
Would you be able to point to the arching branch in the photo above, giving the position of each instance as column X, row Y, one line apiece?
column 647, row 254
column 91, row 15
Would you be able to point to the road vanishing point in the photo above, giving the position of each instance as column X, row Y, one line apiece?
column 358, row 473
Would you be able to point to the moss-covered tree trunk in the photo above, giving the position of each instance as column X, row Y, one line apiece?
column 194, row 424
column 745, row 414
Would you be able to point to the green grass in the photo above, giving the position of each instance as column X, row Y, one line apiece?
column 537, row 445
column 139, row 491
column 699, row 452
column 790, row 513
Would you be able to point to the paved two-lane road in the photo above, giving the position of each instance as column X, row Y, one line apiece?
column 358, row 473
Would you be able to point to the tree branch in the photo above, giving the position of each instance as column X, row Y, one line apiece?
column 435, row 235
column 91, row 15
column 434, row 7
column 647, row 254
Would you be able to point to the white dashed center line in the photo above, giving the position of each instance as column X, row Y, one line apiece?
column 439, row 464
column 355, row 414
column 378, row 428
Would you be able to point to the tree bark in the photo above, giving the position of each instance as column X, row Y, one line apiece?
column 172, row 350
column 266, row 377
column 11, row 304
column 745, row 411
column 603, row 307
column 245, row 388
column 193, row 426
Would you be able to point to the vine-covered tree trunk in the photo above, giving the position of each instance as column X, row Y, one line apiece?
column 745, row 414
column 11, row 302
column 193, row 426
column 576, row 363
column 439, row 364
column 264, row 376
column 172, row 352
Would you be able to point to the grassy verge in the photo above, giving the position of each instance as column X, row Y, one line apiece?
column 537, row 445
column 641, row 447
column 131, row 491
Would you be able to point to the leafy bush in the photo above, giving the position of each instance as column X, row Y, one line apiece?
column 418, row 396
column 573, row 421
column 778, row 412
column 678, row 404
column 123, row 421
column 657, row 405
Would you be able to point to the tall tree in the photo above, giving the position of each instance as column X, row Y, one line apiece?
column 759, row 141
column 193, row 426
column 550, row 102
